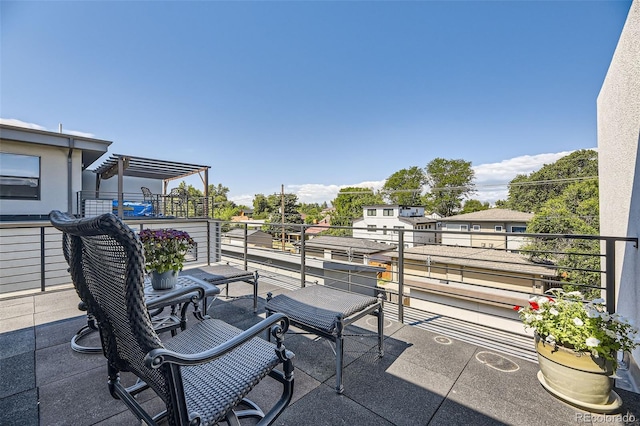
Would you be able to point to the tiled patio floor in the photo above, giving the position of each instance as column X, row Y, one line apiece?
column 423, row 379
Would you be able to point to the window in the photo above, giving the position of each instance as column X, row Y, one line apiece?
column 476, row 227
column 464, row 227
column 371, row 228
column 371, row 212
column 498, row 228
column 519, row 229
column 387, row 212
column 20, row 178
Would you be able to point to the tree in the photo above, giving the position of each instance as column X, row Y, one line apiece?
column 260, row 207
column 312, row 211
column 471, row 206
column 404, row 187
column 575, row 211
column 449, row 181
column 348, row 205
column 218, row 193
column 291, row 214
column 527, row 193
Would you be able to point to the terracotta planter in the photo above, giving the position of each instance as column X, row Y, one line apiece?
column 164, row 281
column 577, row 378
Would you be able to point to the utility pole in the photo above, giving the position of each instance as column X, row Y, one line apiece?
column 282, row 211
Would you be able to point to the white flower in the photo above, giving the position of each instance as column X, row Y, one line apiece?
column 542, row 300
column 592, row 313
column 599, row 301
column 575, row 294
column 610, row 333
column 554, row 312
column 592, row 342
column 578, row 322
column 605, row 317
column 538, row 317
column 551, row 338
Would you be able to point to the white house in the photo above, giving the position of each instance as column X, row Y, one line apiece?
column 381, row 223
column 41, row 171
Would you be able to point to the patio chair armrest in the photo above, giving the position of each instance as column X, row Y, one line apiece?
column 277, row 323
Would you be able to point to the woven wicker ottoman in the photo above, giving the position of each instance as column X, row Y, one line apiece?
column 326, row 312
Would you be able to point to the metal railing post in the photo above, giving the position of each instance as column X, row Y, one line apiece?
column 610, row 270
column 42, row 257
column 246, row 247
column 401, row 277
column 303, row 267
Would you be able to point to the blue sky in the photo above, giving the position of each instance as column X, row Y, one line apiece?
column 314, row 95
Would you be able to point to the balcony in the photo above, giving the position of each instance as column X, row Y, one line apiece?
column 442, row 363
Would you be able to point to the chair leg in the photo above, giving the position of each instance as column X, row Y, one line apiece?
column 339, row 356
column 381, row 332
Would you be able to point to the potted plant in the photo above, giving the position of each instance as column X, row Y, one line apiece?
column 578, row 343
column 164, row 252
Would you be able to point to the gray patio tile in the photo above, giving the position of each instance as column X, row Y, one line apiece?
column 324, row 407
column 153, row 406
column 18, row 374
column 82, row 399
column 524, row 389
column 58, row 332
column 316, row 356
column 423, row 348
column 395, row 389
column 54, row 363
column 481, row 404
column 16, row 342
column 370, row 322
column 20, row 409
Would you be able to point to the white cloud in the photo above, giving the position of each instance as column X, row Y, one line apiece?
column 491, row 180
column 20, row 123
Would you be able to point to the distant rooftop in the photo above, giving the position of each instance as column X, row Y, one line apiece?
column 491, row 215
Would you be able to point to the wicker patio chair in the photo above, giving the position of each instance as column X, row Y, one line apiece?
column 204, row 372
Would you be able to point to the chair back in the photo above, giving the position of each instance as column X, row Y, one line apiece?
column 146, row 193
column 106, row 262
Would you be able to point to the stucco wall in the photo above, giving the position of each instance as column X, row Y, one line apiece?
column 619, row 162
column 53, row 179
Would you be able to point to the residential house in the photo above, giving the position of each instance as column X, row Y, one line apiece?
column 455, row 280
column 381, row 223
column 42, row 171
column 486, row 228
column 255, row 238
column 348, row 249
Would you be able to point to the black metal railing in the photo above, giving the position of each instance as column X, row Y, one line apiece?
column 484, row 282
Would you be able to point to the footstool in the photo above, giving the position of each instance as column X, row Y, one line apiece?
column 325, row 311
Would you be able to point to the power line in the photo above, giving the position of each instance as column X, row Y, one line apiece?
column 488, row 185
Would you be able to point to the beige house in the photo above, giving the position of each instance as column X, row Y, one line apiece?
column 255, row 238
column 455, row 280
column 493, row 228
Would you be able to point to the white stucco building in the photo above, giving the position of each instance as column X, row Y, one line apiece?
column 381, row 223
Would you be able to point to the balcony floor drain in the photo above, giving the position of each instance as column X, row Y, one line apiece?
column 443, row 340
column 497, row 362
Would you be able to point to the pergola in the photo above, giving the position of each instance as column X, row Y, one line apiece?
column 127, row 165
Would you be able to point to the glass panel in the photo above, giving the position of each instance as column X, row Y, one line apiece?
column 20, row 176
column 19, row 165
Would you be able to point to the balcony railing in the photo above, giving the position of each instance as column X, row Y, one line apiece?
column 136, row 205
column 475, row 284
